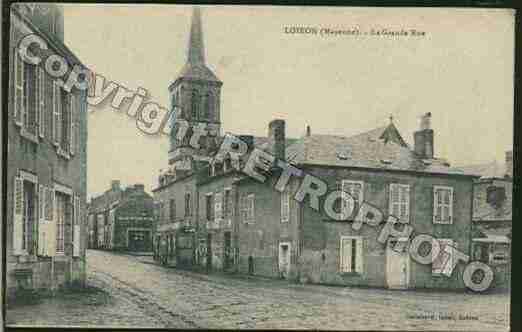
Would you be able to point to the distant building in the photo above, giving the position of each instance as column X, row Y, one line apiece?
column 492, row 216
column 46, row 161
column 121, row 219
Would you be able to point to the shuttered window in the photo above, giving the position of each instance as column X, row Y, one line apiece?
column 442, row 205
column 72, row 122
column 172, row 210
column 227, row 204
column 248, row 208
column 355, row 189
column 351, row 255
column 400, row 201
column 438, row 262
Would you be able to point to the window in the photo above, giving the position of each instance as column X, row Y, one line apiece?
column 355, row 189
column 29, row 98
column 207, row 109
column 25, row 213
column 438, row 262
column 218, row 207
column 285, row 206
column 64, row 121
column 400, row 201
column 194, row 106
column 208, row 206
column 495, row 196
column 62, row 206
column 188, row 207
column 442, row 205
column 227, row 208
column 172, row 210
column 351, row 257
column 247, row 208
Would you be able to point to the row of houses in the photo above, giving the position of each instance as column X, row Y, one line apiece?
column 211, row 216
column 46, row 160
column 120, row 219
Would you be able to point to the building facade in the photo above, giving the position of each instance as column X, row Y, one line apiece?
column 46, row 160
column 121, row 219
column 492, row 216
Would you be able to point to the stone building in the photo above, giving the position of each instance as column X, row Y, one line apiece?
column 46, row 159
column 121, row 219
column 492, row 216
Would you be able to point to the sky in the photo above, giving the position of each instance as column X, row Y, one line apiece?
column 461, row 71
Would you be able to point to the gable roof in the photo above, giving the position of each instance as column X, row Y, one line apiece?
column 380, row 148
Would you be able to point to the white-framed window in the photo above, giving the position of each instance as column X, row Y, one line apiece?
column 442, row 205
column 355, row 189
column 351, row 254
column 64, row 121
column 442, row 258
column 400, row 201
column 285, row 206
column 247, row 208
column 27, row 96
column 25, row 213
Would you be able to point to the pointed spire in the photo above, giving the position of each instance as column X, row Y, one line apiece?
column 196, row 47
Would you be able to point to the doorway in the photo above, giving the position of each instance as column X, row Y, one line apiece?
column 398, row 264
column 284, row 259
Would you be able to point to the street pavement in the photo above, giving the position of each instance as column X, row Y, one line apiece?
column 135, row 292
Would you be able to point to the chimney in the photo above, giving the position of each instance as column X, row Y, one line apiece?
column 276, row 138
column 308, row 131
column 115, row 185
column 509, row 163
column 423, row 138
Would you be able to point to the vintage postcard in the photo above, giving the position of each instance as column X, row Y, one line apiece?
column 259, row 167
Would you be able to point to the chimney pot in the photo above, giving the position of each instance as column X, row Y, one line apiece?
column 423, row 138
column 115, row 184
column 308, row 131
column 276, row 138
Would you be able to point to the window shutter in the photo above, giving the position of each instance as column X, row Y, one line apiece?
column 346, row 255
column 76, row 227
column 394, row 198
column 19, row 88
column 436, row 216
column 57, row 122
column 72, row 122
column 359, row 257
column 41, row 220
column 217, row 204
column 405, row 201
column 450, row 206
column 41, row 102
column 51, row 234
column 18, row 219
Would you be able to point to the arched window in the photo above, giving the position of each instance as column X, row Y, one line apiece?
column 208, row 108
column 195, row 102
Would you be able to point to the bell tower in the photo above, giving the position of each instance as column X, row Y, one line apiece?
column 195, row 94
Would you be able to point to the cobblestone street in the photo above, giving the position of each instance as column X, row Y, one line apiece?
column 136, row 293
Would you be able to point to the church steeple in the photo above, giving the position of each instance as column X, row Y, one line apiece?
column 196, row 95
column 196, row 46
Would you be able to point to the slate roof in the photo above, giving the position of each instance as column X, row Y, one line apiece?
column 486, row 170
column 380, row 148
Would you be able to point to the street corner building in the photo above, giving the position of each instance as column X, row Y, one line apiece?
column 121, row 219
column 210, row 215
column 46, row 161
column 492, row 216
